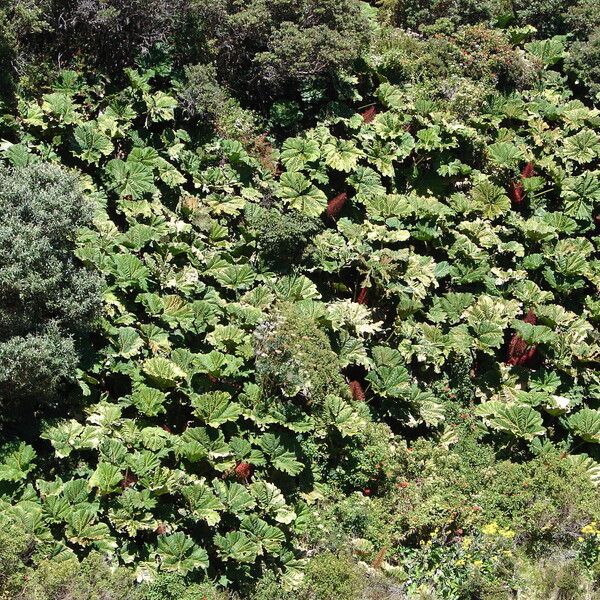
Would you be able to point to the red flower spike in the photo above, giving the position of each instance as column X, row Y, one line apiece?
column 519, row 352
column 367, row 491
column 335, row 205
column 516, row 188
column 129, row 480
column 243, row 471
column 516, row 192
column 161, row 529
column 527, row 171
column 369, row 114
column 356, row 391
column 363, row 296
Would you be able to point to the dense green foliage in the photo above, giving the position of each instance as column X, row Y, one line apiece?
column 327, row 277
column 48, row 302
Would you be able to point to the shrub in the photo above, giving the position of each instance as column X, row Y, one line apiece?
column 205, row 100
column 202, row 96
column 584, row 62
column 16, row 20
column 547, row 16
column 27, row 574
column 559, row 576
column 583, row 18
column 49, row 302
column 269, row 50
column 68, row 579
column 108, row 33
column 282, row 237
column 294, row 355
column 448, row 62
column 366, row 461
column 16, row 547
column 413, row 14
column 488, row 55
column 170, row 586
column 333, row 577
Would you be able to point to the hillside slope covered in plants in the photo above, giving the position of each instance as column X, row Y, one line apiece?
column 300, row 300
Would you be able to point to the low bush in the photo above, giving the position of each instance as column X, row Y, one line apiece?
column 294, row 356
column 282, row 238
column 48, row 301
column 272, row 50
column 584, row 62
column 413, row 14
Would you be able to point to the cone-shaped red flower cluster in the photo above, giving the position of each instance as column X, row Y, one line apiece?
column 335, row 205
column 369, row 114
column 516, row 188
column 519, row 352
column 129, row 480
column 243, row 471
column 363, row 296
column 356, row 391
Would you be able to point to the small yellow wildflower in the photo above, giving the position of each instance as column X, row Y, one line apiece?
column 506, row 533
column 477, row 563
column 590, row 529
column 466, row 543
column 490, row 528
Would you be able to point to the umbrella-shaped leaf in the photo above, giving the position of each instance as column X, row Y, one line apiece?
column 389, row 382
column 301, row 194
column 90, row 143
column 18, row 463
column 106, row 478
column 296, row 152
column 179, row 553
column 163, row 372
column 149, row 401
column 519, row 420
column 237, row 546
column 215, row 408
column 203, row 503
column 586, row 424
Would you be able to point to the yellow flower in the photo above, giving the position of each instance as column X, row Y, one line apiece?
column 590, row 529
column 507, row 533
column 477, row 563
column 580, row 539
column 490, row 529
column 466, row 543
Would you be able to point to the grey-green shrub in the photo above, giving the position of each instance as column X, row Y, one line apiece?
column 48, row 302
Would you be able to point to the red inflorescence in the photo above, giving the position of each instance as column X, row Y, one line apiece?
column 356, row 391
column 516, row 192
column 161, row 529
column 363, row 296
column 527, row 171
column 243, row 471
column 129, row 480
column 516, row 188
column 519, row 352
column 369, row 114
column 335, row 205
